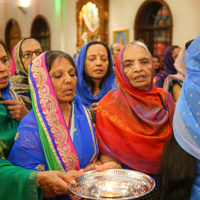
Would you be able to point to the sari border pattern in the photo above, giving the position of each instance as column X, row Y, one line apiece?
column 50, row 109
column 44, row 127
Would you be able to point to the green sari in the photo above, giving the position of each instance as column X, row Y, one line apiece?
column 16, row 183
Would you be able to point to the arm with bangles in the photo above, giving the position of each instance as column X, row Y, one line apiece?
column 103, row 162
column 56, row 182
column 33, row 184
column 108, row 162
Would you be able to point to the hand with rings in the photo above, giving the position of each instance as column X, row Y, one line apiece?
column 16, row 109
column 55, row 183
column 10, row 110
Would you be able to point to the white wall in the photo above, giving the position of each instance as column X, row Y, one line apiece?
column 122, row 15
column 70, row 27
column 24, row 20
column 185, row 15
column 2, row 24
column 62, row 25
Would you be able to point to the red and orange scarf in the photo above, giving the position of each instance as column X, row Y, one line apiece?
column 132, row 126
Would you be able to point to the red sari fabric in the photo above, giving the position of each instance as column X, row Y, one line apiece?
column 133, row 126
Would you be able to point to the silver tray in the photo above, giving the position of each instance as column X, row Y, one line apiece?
column 113, row 184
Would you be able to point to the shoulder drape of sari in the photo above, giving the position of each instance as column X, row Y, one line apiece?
column 43, row 141
column 132, row 126
column 28, row 145
column 19, row 82
column 15, row 182
column 82, row 90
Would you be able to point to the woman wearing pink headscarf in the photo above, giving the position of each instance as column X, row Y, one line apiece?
column 13, row 67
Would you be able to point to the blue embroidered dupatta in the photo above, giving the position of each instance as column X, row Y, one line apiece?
column 43, row 141
column 9, row 94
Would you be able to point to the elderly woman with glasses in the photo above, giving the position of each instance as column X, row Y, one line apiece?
column 17, row 104
column 26, row 51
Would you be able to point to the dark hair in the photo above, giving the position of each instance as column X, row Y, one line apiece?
column 4, row 46
column 174, row 47
column 52, row 55
column 187, row 44
column 153, row 56
column 177, row 172
column 87, row 79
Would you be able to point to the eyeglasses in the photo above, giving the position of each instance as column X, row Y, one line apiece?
column 29, row 54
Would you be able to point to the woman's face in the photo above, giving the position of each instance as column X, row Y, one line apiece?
column 175, row 53
column 27, row 47
column 63, row 77
column 137, row 66
column 156, row 63
column 96, row 62
column 117, row 48
column 4, row 68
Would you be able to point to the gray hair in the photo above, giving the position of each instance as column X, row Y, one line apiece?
column 141, row 44
column 113, row 46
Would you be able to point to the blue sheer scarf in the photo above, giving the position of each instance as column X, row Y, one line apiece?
column 82, row 89
column 186, row 121
column 9, row 94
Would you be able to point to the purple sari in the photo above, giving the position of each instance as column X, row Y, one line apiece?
column 169, row 69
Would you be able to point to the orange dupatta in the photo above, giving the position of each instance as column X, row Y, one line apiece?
column 132, row 126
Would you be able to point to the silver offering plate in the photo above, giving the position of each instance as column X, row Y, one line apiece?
column 113, row 184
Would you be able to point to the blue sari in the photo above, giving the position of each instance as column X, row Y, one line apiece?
column 186, row 121
column 82, row 90
column 43, row 142
column 9, row 94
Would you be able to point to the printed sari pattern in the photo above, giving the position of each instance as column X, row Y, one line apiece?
column 136, row 120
